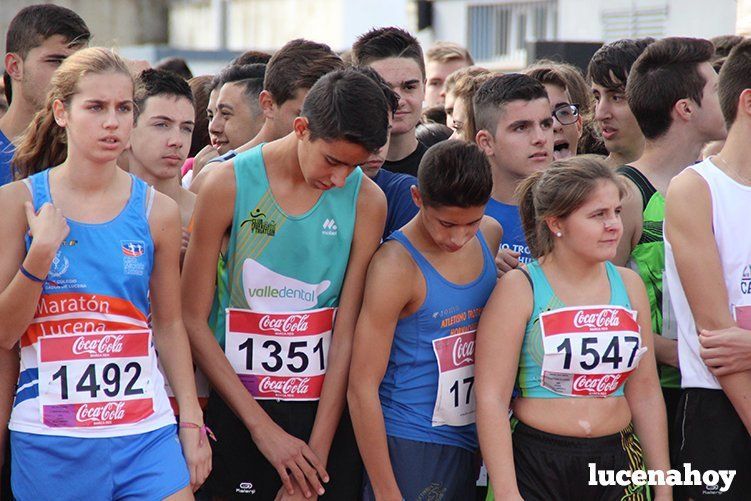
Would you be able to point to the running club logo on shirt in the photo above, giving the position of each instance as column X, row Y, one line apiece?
column 133, row 262
column 746, row 280
column 267, row 290
column 329, row 228
column 259, row 223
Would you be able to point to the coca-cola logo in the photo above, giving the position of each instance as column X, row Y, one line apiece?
column 105, row 345
column 463, row 352
column 106, row 412
column 288, row 386
column 605, row 384
column 290, row 324
column 602, row 319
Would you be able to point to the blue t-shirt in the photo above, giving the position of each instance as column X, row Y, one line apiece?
column 6, row 155
column 401, row 208
column 511, row 221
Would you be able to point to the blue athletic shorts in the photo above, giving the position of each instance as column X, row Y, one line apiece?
column 426, row 471
column 146, row 466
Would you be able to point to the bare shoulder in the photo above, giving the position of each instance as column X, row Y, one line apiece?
column 370, row 193
column 491, row 229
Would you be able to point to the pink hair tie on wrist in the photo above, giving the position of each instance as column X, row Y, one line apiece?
column 205, row 430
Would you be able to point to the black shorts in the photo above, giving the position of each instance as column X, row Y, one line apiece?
column 672, row 397
column 240, row 471
column 552, row 466
column 711, row 436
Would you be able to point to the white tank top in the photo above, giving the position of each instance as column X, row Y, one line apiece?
column 730, row 201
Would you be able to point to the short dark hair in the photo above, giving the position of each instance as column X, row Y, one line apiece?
column 252, row 57
column 611, row 63
column 392, row 98
column 498, row 91
column 432, row 133
column 667, row 71
column 175, row 65
column 434, row 114
column 200, row 86
column 152, row 82
column 383, row 43
column 36, row 23
column 735, row 77
column 298, row 65
column 454, row 174
column 723, row 44
column 249, row 76
column 346, row 104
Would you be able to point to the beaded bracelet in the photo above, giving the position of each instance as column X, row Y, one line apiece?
column 205, row 430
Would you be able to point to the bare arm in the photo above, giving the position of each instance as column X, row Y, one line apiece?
column 642, row 389
column 632, row 217
column 373, row 338
column 371, row 218
column 499, row 340
column 212, row 217
column 688, row 227
column 169, row 333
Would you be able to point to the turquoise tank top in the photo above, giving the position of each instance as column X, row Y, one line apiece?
column 528, row 380
column 278, row 262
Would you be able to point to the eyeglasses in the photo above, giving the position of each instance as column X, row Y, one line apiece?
column 566, row 114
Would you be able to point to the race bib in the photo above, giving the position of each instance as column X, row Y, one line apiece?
column 455, row 400
column 95, row 379
column 280, row 356
column 589, row 351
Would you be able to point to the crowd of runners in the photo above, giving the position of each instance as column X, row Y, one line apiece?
column 378, row 275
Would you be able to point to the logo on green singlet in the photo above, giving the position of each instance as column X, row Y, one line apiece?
column 259, row 223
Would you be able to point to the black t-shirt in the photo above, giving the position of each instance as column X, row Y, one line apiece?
column 408, row 164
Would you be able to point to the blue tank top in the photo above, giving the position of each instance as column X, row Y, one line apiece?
column 98, row 281
column 528, row 380
column 410, row 385
column 511, row 222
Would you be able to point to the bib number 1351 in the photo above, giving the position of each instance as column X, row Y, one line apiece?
column 279, row 355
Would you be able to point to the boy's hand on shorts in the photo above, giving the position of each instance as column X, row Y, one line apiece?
column 288, row 454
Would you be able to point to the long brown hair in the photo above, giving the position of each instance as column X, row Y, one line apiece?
column 43, row 144
column 557, row 192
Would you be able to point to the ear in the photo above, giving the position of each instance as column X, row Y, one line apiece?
column 485, row 141
column 266, row 103
column 416, row 197
column 683, row 109
column 58, row 111
column 555, row 225
column 301, row 127
column 14, row 65
column 744, row 102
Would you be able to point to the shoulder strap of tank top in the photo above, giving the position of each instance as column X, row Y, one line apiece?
column 150, row 201
column 400, row 237
column 529, row 278
column 640, row 180
column 618, row 292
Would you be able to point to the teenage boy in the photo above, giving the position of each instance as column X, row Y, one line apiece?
column 413, row 440
column 39, row 38
column 515, row 131
column 672, row 93
column 396, row 186
column 161, row 137
column 567, row 128
column 289, row 75
column 442, row 59
column 397, row 57
column 300, row 216
column 707, row 256
column 607, row 73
